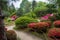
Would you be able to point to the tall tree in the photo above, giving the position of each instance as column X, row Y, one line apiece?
column 41, row 8
column 25, row 7
column 53, row 7
column 56, row 2
column 19, row 12
column 11, row 8
column 52, row 1
column 3, row 6
column 33, row 5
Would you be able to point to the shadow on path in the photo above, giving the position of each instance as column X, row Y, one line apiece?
column 23, row 35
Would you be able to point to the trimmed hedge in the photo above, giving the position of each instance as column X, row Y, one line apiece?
column 22, row 22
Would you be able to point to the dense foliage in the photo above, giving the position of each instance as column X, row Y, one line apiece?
column 30, row 13
column 22, row 22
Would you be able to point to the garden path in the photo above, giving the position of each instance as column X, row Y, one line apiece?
column 23, row 35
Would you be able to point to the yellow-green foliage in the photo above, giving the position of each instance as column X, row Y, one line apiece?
column 22, row 22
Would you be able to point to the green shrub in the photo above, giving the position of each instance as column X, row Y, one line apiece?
column 40, row 11
column 11, row 35
column 23, row 21
column 31, row 14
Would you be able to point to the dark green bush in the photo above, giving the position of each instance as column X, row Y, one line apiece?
column 11, row 35
column 40, row 11
column 23, row 21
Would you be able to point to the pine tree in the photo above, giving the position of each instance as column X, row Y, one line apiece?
column 25, row 5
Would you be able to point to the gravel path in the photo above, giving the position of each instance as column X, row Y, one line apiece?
column 23, row 35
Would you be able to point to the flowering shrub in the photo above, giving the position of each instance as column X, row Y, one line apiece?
column 40, row 26
column 57, row 23
column 49, row 23
column 50, row 15
column 46, row 17
column 32, row 25
column 14, row 17
column 54, row 33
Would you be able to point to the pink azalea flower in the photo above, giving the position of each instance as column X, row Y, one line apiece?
column 44, row 17
column 13, row 17
column 51, row 14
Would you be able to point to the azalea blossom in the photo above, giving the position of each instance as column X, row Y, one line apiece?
column 13, row 17
column 57, row 23
column 54, row 33
column 46, row 17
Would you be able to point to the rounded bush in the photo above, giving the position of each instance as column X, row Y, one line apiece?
column 43, row 26
column 32, row 25
column 11, row 35
column 40, row 26
column 57, row 23
column 54, row 33
column 22, row 22
column 49, row 23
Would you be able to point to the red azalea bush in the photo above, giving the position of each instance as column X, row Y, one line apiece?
column 32, row 25
column 43, row 26
column 49, row 23
column 54, row 33
column 40, row 26
column 57, row 23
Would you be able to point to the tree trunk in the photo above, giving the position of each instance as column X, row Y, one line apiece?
column 2, row 28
